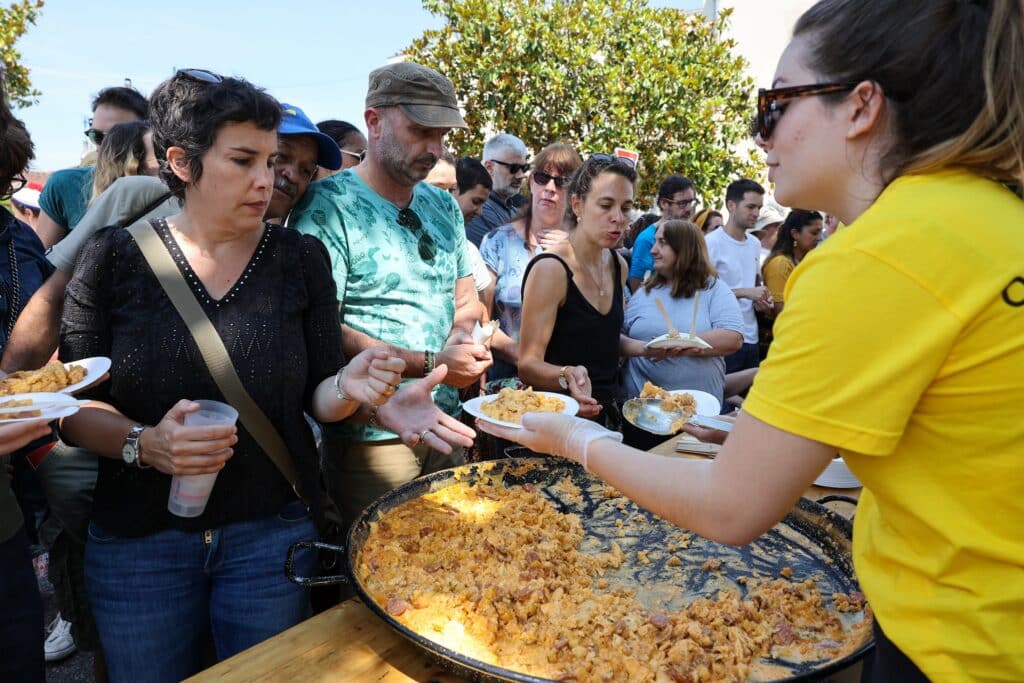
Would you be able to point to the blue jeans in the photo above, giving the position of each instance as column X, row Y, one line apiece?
column 157, row 598
column 21, row 613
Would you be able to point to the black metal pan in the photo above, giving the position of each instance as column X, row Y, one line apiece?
column 812, row 540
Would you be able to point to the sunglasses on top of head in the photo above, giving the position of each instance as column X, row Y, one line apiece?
column 609, row 159
column 771, row 103
column 201, row 75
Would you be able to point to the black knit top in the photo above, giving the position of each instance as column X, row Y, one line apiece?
column 280, row 325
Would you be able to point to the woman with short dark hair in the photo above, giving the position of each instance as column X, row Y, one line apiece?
column 160, row 584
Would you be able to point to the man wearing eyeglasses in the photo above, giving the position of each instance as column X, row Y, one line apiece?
column 65, row 197
column 677, row 200
column 505, row 159
column 403, row 273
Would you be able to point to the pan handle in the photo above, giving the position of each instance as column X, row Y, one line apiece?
column 837, row 498
column 309, row 581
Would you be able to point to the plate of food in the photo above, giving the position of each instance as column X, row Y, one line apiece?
column 660, row 411
column 509, row 406
column 37, row 406
column 681, row 340
column 66, row 378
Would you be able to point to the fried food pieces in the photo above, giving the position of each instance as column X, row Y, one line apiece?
column 684, row 403
column 6, row 414
column 498, row 574
column 50, row 378
column 512, row 404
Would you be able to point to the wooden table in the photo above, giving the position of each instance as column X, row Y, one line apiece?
column 350, row 644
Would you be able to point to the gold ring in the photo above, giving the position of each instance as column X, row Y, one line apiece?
column 389, row 391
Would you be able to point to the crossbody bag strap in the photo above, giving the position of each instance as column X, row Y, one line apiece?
column 212, row 348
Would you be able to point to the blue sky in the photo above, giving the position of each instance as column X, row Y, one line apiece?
column 315, row 54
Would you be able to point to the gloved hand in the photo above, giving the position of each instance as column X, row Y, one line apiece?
column 554, row 433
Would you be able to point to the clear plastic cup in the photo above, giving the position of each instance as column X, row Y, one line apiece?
column 190, row 493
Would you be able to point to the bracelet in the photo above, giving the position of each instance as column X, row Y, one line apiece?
column 337, row 387
column 373, row 418
column 428, row 362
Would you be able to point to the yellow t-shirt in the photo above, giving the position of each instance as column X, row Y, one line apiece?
column 902, row 344
column 776, row 271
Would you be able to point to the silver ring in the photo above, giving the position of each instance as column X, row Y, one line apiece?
column 423, row 435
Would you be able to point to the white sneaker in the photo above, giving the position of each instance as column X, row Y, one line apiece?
column 59, row 643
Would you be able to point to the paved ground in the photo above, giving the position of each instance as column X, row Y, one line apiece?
column 75, row 669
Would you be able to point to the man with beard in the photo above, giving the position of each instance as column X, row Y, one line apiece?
column 505, row 159
column 301, row 149
column 404, row 276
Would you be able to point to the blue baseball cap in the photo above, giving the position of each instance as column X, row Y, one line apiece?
column 295, row 122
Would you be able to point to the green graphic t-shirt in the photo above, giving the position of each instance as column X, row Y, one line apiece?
column 386, row 289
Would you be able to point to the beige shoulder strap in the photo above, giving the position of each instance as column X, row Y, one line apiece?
column 211, row 346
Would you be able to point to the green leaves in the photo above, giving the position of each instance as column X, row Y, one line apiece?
column 598, row 74
column 14, row 21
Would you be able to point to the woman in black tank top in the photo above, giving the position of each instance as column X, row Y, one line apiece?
column 572, row 295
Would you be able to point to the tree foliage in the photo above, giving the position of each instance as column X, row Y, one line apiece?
column 598, row 74
column 14, row 21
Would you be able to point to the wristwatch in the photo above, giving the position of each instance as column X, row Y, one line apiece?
column 563, row 379
column 130, row 449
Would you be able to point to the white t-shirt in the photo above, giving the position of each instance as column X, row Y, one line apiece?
column 737, row 264
column 481, row 276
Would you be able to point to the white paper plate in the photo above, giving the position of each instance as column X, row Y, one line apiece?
column 683, row 341
column 838, row 476
column 472, row 406
column 67, row 405
column 707, row 405
column 95, row 368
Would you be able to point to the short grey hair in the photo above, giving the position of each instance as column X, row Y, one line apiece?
column 504, row 142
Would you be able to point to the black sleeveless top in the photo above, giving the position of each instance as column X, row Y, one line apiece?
column 583, row 336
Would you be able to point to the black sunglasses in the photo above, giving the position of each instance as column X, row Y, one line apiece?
column 609, row 159
column 407, row 218
column 201, row 75
column 95, row 136
column 770, row 103
column 542, row 179
column 513, row 168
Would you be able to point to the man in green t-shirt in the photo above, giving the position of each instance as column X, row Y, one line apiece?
column 404, row 276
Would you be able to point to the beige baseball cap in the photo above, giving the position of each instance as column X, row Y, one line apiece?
column 426, row 97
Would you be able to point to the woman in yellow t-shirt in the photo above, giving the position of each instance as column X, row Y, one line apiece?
column 902, row 341
column 800, row 232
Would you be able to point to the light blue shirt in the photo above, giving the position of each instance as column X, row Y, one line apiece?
column 717, row 310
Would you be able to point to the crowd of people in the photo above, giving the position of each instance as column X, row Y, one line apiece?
column 345, row 272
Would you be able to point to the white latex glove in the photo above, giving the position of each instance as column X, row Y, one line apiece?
column 564, row 435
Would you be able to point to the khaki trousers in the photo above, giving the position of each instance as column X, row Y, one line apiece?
column 359, row 473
